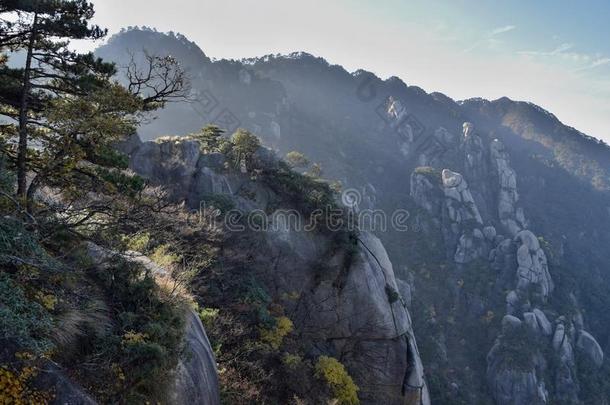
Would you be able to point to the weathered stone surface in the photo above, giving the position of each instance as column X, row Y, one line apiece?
column 530, row 320
column 468, row 129
column 196, row 375
column 470, row 247
column 510, row 322
column 510, row 215
column 406, row 291
column 387, row 357
column 562, row 345
column 543, row 322
column 512, row 303
column 451, row 179
column 52, row 378
column 515, row 386
column 459, row 200
column 565, row 372
column 532, row 264
column 426, row 194
column 587, row 343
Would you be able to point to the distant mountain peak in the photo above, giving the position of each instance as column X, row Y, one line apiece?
column 135, row 39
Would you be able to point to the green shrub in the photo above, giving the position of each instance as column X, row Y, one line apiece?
column 296, row 159
column 341, row 384
column 138, row 242
column 164, row 257
column 292, row 361
column 207, row 316
column 222, row 202
column 392, row 294
column 431, row 173
column 146, row 342
column 20, row 247
column 210, row 138
column 21, row 320
column 275, row 336
column 302, row 192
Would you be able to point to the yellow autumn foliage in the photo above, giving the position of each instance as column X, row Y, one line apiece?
column 274, row 337
column 341, row 384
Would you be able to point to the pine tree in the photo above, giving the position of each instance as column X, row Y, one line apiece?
column 210, row 138
column 42, row 29
column 54, row 78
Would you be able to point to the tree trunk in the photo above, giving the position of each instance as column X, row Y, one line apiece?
column 22, row 148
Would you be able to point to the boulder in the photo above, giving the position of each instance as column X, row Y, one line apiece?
column 451, row 179
column 358, row 314
column 587, row 343
column 562, row 345
column 532, row 264
column 512, row 303
column 512, row 386
column 543, row 322
column 468, row 129
column 510, row 322
column 530, row 320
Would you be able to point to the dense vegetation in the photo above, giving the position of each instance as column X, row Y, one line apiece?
column 64, row 191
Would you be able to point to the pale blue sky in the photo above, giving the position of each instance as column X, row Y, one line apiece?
column 553, row 53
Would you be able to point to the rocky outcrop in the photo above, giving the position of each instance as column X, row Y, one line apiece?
column 357, row 315
column 565, row 372
column 196, row 374
column 388, row 367
column 351, row 309
column 426, row 193
column 521, row 268
column 470, row 246
column 516, row 387
column 510, row 215
column 515, row 384
column 590, row 347
column 474, row 154
column 538, row 322
column 533, row 267
column 185, row 172
column 453, row 203
column 458, row 199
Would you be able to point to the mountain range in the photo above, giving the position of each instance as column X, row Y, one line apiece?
column 503, row 264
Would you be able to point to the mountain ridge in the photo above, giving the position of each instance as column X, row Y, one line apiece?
column 381, row 138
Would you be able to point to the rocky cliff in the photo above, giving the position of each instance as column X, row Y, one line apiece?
column 517, row 368
column 348, row 303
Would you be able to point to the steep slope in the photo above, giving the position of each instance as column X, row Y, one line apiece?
column 337, row 289
column 371, row 135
